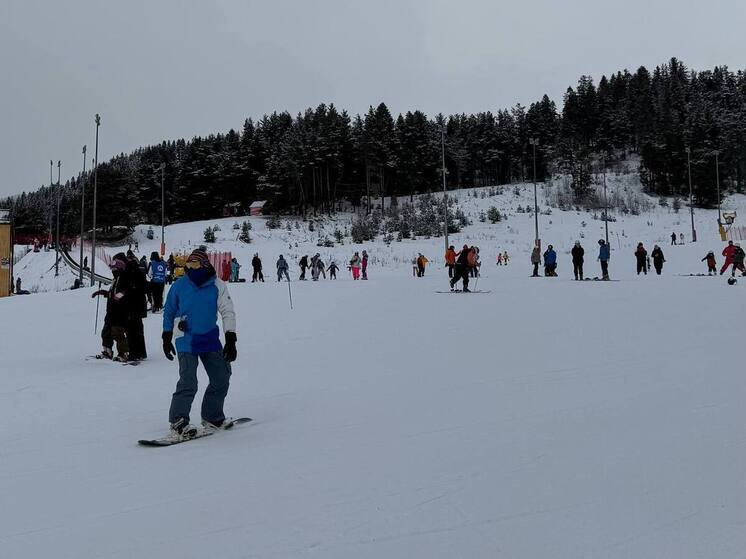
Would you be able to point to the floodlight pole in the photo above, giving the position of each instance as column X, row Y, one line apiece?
column 57, row 242
column 717, row 182
column 606, row 203
column 537, row 241
column 82, row 218
column 163, row 210
column 691, row 196
column 95, row 189
column 445, row 192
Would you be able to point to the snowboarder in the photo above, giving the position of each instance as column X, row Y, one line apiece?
column 191, row 310
column 256, row 264
column 641, row 255
column 536, row 260
column 461, row 271
column 673, row 238
column 578, row 256
column 364, row 265
column 658, row 259
column 738, row 257
column 282, row 268
column 450, row 258
column 421, row 263
column 604, row 254
column 355, row 266
column 711, row 263
column 157, row 271
column 235, row 268
column 116, row 319
column 728, row 252
column 550, row 262
column 138, row 307
column 333, row 270
column 303, row 263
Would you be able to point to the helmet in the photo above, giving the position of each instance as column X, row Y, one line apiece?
column 732, row 281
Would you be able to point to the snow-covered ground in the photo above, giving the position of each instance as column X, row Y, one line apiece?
column 548, row 418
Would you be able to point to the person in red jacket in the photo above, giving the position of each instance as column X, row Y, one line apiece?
column 728, row 252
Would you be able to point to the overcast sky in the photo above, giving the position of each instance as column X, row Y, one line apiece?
column 159, row 69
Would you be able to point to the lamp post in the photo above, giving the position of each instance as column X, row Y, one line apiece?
column 57, row 235
column 163, row 210
column 537, row 241
column 717, row 182
column 606, row 203
column 445, row 195
column 95, row 187
column 51, row 183
column 82, row 218
column 691, row 196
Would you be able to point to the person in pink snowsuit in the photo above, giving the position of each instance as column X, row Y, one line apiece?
column 355, row 266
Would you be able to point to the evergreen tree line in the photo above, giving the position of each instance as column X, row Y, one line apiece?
column 312, row 162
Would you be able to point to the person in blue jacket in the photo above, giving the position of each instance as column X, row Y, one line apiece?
column 604, row 254
column 190, row 319
column 550, row 262
column 157, row 272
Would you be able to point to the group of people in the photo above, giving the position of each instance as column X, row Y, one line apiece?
column 734, row 258
column 578, row 259
column 465, row 264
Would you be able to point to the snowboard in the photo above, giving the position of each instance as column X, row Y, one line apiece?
column 599, row 279
column 100, row 358
column 201, row 432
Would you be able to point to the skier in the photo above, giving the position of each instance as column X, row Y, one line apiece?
column 461, row 270
column 474, row 262
column 364, row 266
column 578, row 256
column 673, row 238
column 192, row 307
column 414, row 267
column 303, row 263
column 550, row 262
column 333, row 270
column 711, row 263
column 450, row 258
column 641, row 255
column 604, row 255
column 681, row 238
column 536, row 260
column 143, row 265
column 658, row 259
column 256, row 264
column 728, row 253
column 421, row 263
column 116, row 319
column 171, row 265
column 738, row 257
column 235, row 267
column 315, row 259
column 506, row 258
column 355, row 266
column 157, row 271
column 138, row 307
column 499, row 258
column 282, row 268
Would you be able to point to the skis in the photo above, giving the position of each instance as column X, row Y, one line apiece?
column 464, row 292
column 201, row 432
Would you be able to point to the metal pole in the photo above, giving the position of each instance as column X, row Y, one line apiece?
column 95, row 188
column 445, row 190
column 57, row 242
column 51, row 183
column 691, row 196
column 537, row 241
column 163, row 210
column 606, row 204
column 82, row 218
column 717, row 181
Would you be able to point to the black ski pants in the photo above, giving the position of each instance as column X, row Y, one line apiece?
column 136, row 338
column 577, row 269
column 157, row 290
column 257, row 275
column 460, row 273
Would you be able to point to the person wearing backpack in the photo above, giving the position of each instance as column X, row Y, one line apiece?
column 157, row 271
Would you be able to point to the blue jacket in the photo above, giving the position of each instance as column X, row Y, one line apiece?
column 158, row 271
column 199, row 307
column 550, row 257
column 603, row 253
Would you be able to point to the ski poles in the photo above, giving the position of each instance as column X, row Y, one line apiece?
column 290, row 294
column 95, row 326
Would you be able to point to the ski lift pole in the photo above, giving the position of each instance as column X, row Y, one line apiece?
column 95, row 326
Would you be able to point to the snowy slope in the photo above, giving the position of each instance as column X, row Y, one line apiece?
column 548, row 418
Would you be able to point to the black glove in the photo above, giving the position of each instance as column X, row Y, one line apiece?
column 229, row 349
column 168, row 347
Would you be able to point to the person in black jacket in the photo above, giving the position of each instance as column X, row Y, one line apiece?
column 461, row 271
column 658, row 259
column 303, row 263
column 116, row 319
column 256, row 264
column 642, row 263
column 577, row 260
column 138, row 307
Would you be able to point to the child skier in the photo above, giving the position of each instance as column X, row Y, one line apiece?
column 499, row 258
column 191, row 310
column 712, row 267
column 355, row 266
column 333, row 270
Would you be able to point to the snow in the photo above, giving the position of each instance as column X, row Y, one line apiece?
column 549, row 418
